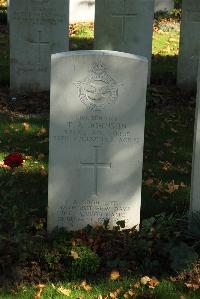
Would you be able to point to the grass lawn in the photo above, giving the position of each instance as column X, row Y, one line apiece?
column 166, row 188
column 104, row 289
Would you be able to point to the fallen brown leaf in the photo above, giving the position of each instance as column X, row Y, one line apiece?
column 148, row 182
column 136, row 285
column 26, row 126
column 153, row 283
column 192, row 286
column 74, row 254
column 43, row 172
column 28, row 157
column 145, row 279
column 130, row 294
column 114, row 275
column 115, row 294
column 2, row 165
column 86, row 286
column 39, row 288
column 63, row 291
column 171, row 187
column 41, row 132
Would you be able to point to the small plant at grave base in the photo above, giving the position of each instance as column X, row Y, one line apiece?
column 84, row 261
column 69, row 258
column 13, row 160
column 162, row 244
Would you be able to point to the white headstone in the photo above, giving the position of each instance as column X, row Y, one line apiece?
column 125, row 25
column 189, row 44
column 195, row 190
column 96, row 138
column 82, row 11
column 38, row 28
column 166, row 5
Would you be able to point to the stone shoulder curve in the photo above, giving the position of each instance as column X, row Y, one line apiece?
column 99, row 52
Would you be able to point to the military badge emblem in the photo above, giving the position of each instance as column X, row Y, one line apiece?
column 98, row 89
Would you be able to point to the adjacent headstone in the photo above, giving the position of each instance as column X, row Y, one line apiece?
column 195, row 190
column 189, row 44
column 166, row 5
column 96, row 138
column 82, row 11
column 124, row 25
column 38, row 28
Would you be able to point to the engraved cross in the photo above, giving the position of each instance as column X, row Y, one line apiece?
column 40, row 43
column 123, row 15
column 95, row 165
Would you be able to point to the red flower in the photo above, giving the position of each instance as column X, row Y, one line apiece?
column 13, row 160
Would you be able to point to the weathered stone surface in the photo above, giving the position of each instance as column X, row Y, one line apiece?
column 189, row 45
column 96, row 138
column 38, row 28
column 124, row 25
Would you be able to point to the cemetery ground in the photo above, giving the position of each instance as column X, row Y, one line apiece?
column 159, row 261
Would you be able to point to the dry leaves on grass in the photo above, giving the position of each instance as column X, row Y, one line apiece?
column 42, row 170
column 150, row 282
column 130, row 294
column 114, row 275
column 103, row 297
column 85, row 286
column 116, row 293
column 74, row 255
column 39, row 289
column 2, row 165
column 192, row 286
column 171, row 187
column 63, row 291
column 26, row 126
column 41, row 131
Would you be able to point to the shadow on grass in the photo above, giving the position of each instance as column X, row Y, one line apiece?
column 164, row 69
column 77, row 43
column 24, row 134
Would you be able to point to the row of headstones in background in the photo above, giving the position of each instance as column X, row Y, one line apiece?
column 84, row 11
column 189, row 44
column 125, row 25
column 97, row 116
column 38, row 28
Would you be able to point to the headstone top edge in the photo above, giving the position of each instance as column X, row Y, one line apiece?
column 99, row 52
